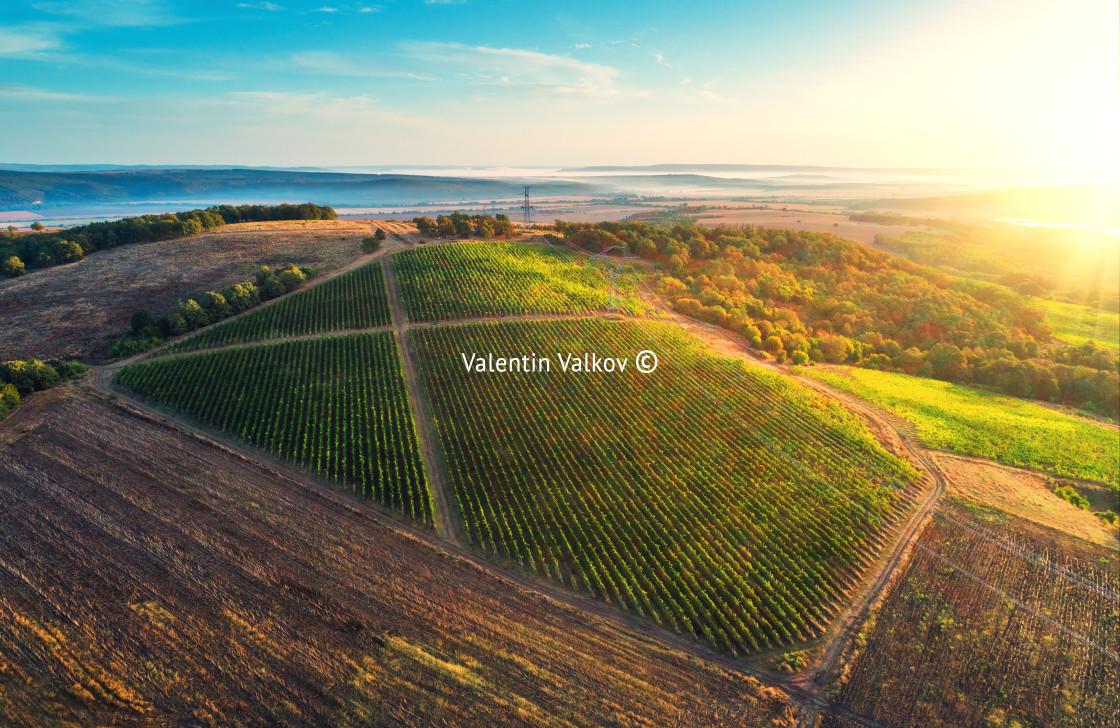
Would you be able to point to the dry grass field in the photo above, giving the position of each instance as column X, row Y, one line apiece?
column 1024, row 494
column 73, row 311
column 149, row 577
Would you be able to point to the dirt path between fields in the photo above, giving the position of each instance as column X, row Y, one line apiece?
column 448, row 523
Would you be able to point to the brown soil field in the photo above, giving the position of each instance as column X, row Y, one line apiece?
column 1022, row 493
column 150, row 577
column 945, row 650
column 72, row 311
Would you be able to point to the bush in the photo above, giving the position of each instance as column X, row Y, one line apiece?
column 371, row 244
column 71, row 370
column 142, row 319
column 9, row 398
column 28, row 376
column 13, row 266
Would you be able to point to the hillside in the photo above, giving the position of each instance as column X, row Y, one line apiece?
column 74, row 310
column 35, row 190
column 163, row 579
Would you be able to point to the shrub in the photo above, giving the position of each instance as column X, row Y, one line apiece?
column 13, row 266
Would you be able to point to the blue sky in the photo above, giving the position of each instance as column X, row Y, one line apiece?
column 991, row 83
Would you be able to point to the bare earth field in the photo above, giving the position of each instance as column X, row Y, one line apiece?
column 73, row 311
column 149, row 577
column 945, row 651
column 1024, row 494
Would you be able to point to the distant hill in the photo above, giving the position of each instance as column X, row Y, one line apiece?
column 1086, row 204
column 45, row 189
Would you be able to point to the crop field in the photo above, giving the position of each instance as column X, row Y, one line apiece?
column 1075, row 324
column 723, row 502
column 336, row 406
column 353, row 300
column 498, row 278
column 153, row 578
column 945, row 651
column 974, row 422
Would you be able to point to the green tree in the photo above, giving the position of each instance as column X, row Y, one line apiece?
column 37, row 226
column 66, row 251
column 371, row 243
column 13, row 266
column 142, row 319
column 291, row 277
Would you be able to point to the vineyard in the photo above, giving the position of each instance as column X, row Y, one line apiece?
column 722, row 502
column 945, row 650
column 498, row 278
column 336, row 406
column 975, row 422
column 354, row 300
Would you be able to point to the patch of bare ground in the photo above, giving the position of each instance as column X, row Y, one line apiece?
column 73, row 311
column 150, row 577
column 1023, row 493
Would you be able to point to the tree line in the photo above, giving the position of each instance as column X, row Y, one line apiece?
column 20, row 251
column 812, row 297
column 200, row 310
column 20, row 378
column 462, row 225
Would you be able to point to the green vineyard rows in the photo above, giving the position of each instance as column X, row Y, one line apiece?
column 354, row 300
column 742, row 530
column 336, row 406
column 498, row 278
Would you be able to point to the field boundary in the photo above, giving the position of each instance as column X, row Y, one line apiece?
column 447, row 522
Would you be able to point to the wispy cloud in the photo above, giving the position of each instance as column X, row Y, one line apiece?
column 326, row 9
column 444, row 2
column 272, row 7
column 514, row 67
column 20, row 92
column 114, row 13
column 29, row 39
column 328, row 62
column 333, row 111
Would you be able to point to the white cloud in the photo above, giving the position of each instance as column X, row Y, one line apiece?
column 334, row 64
column 20, row 92
column 114, row 13
column 273, row 7
column 444, row 2
column 30, row 39
column 558, row 75
column 326, row 9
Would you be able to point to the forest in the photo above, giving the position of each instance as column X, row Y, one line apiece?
column 812, row 297
column 19, row 251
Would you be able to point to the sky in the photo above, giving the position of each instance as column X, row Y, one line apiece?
column 1000, row 84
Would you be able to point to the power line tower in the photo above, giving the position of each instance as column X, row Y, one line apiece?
column 526, row 208
column 612, row 266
